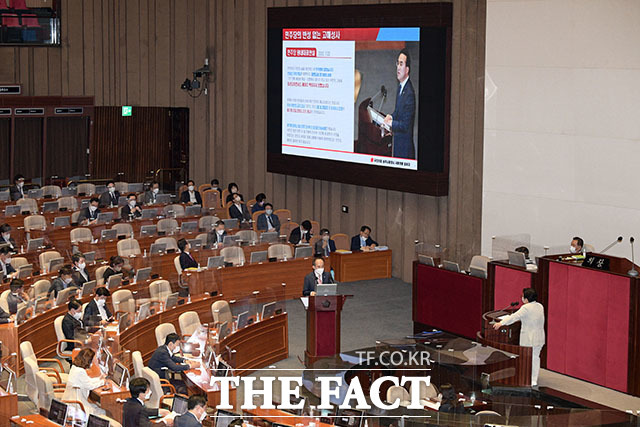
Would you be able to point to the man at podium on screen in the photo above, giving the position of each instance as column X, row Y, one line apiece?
column 317, row 277
column 531, row 315
column 401, row 120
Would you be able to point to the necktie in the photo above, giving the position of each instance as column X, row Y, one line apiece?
column 269, row 221
column 320, row 279
column 399, row 91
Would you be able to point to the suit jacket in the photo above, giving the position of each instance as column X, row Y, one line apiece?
column 85, row 213
column 126, row 211
column 318, row 248
column 213, row 237
column 10, row 242
column 135, row 414
column 236, row 213
column 12, row 302
column 15, row 193
column 107, row 199
column 262, row 222
column 108, row 272
column 149, row 197
column 78, row 278
column 69, row 326
column 91, row 312
column 531, row 315
column 184, row 197
column 311, row 280
column 7, row 267
column 403, row 117
column 256, row 207
column 187, row 262
column 294, row 237
column 186, row 420
column 161, row 359
column 4, row 316
column 355, row 242
column 58, row 285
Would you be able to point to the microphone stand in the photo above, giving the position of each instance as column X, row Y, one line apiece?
column 615, row 242
column 633, row 272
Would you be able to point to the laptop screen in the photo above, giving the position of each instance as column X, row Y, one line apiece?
column 224, row 418
column 96, row 421
column 58, row 412
column 179, row 405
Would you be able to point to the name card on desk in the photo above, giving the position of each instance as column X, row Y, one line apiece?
column 597, row 262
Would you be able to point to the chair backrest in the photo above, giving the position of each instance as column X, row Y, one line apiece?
column 123, row 229
column 122, row 187
column 169, row 241
column 280, row 251
column 100, row 275
column 284, row 215
column 314, row 240
column 86, row 188
column 122, row 300
column 225, row 194
column 287, row 227
column 3, row 300
column 35, row 222
column 168, row 225
column 26, row 350
column 397, row 392
column 156, row 387
column 247, row 235
column 47, row 256
column 128, row 247
column 176, row 264
column 69, row 202
column 41, row 288
column 207, row 222
column 189, row 322
column 18, row 261
column 211, row 198
column 315, row 228
column 159, row 290
column 57, row 326
column 74, row 217
column 233, row 254
column 162, row 330
column 52, row 190
column 27, row 204
column 138, row 364
column 342, row 241
column 173, row 210
column 30, row 371
column 65, row 295
column 81, row 234
column 479, row 261
column 44, row 388
column 203, row 187
column 203, row 237
column 221, row 312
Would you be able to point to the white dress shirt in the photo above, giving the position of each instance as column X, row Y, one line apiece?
column 531, row 315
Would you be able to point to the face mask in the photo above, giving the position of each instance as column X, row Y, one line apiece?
column 155, row 190
column 6, row 236
column 132, row 204
column 191, row 188
column 67, row 280
column 82, row 266
column 573, row 250
column 234, row 190
column 8, row 260
column 220, row 232
column 77, row 315
column 92, row 208
column 100, row 302
column 325, row 238
column 117, row 268
column 303, row 231
column 112, row 189
column 269, row 211
column 148, row 395
column 319, row 271
column 202, row 416
column 236, row 201
column 20, row 184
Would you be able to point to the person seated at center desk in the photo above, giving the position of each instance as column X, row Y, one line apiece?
column 363, row 241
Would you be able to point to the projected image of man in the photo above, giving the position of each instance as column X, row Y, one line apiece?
column 401, row 120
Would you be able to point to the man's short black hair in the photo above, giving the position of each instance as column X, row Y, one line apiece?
column 261, row 197
column 66, row 271
column 17, row 177
column 111, row 182
column 116, row 260
column 138, row 385
column 102, row 291
column 579, row 240
column 324, row 230
column 130, row 195
column 94, row 200
column 15, row 285
column 267, row 204
column 524, row 250
column 4, row 228
column 196, row 400
column 4, row 250
column 182, row 243
column 172, row 337
column 74, row 304
column 364, row 228
column 75, row 258
column 530, row 294
column 306, row 224
column 154, row 183
column 215, row 182
column 191, row 182
column 219, row 222
column 231, row 185
column 315, row 258
column 405, row 52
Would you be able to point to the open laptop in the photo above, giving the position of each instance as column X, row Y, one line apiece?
column 119, row 374
column 148, row 230
column 451, row 266
column 179, row 406
column 478, row 272
column 215, row 262
column 90, row 256
column 189, row 226
column 163, row 199
column 258, row 256
column 517, row 258
column 143, row 274
column 35, row 244
column 114, row 281
column 55, row 264
column 171, row 301
column 110, row 234
column 88, row 288
column 268, row 310
column 12, row 210
column 35, row 193
column 149, row 214
column 326, row 289
column 224, row 418
column 230, row 240
column 243, row 320
column 426, row 260
column 349, row 418
column 269, row 237
column 104, row 217
column 222, row 369
column 25, row 271
column 62, row 221
column 193, row 210
column 144, row 311
column 96, row 421
column 58, row 412
column 4, row 196
column 196, row 244
column 230, row 223
column 158, row 248
column 50, row 207
column 303, row 252
column 7, row 380
column 223, row 331
column 124, row 322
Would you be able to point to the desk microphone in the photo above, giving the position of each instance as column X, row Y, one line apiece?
column 383, row 92
column 615, row 242
column 633, row 271
column 513, row 304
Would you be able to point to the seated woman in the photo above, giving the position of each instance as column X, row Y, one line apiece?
column 449, row 402
column 80, row 384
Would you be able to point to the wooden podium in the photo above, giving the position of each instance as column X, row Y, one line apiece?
column 323, row 326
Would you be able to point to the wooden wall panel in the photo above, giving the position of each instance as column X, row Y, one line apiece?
column 138, row 52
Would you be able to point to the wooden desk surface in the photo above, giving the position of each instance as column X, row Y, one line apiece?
column 8, row 406
column 355, row 266
column 32, row 420
column 282, row 417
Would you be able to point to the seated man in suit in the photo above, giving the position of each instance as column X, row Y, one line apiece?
column 5, row 237
column 197, row 412
column 317, row 277
column 165, row 358
column 325, row 245
column 233, row 189
column 217, row 235
column 16, row 191
column 110, row 197
column 16, row 295
column 363, row 241
column 301, row 234
column 261, row 199
column 134, row 413
column 6, row 269
column 63, row 281
column 89, row 214
column 131, row 210
column 71, row 322
column 238, row 209
column 116, row 266
column 151, row 194
column 215, row 185
column 6, row 317
column 191, row 196
column 80, row 273
column 97, row 312
column 268, row 221
column 186, row 260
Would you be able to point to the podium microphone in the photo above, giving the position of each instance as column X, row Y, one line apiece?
column 383, row 92
column 513, row 304
column 615, row 242
column 633, row 272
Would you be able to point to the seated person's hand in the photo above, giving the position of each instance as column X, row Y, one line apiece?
column 313, row 293
column 388, row 120
column 163, row 412
column 373, row 245
column 193, row 364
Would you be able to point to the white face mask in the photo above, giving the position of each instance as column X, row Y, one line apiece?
column 82, row 266
column 112, row 189
column 319, row 271
column 220, row 232
column 148, row 395
column 325, row 238
column 269, row 211
column 573, row 250
column 20, row 184
column 8, row 260
column 132, row 203
column 155, row 190
column 234, row 190
column 93, row 208
column 100, row 302
column 77, row 315
column 191, row 188
column 67, row 280
column 6, row 236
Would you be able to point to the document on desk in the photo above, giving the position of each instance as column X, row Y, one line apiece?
column 305, row 302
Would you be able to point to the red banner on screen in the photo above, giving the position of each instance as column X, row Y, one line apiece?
column 330, row 34
column 301, row 52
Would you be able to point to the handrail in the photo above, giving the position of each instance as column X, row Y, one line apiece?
column 88, row 181
column 158, row 171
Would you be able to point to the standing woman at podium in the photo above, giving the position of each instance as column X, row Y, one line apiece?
column 531, row 315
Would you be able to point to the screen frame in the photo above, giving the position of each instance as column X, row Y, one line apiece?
column 432, row 15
